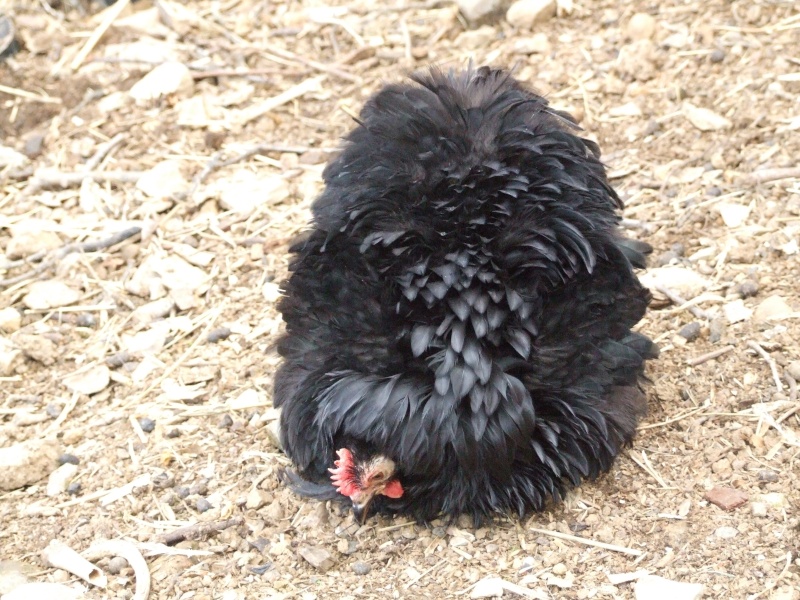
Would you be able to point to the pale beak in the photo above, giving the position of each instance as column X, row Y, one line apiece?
column 361, row 511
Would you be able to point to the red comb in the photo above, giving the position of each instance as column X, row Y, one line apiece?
column 342, row 475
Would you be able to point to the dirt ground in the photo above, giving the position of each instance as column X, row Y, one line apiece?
column 155, row 374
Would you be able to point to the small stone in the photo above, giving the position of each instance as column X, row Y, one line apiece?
column 794, row 370
column 202, row 505
column 717, row 329
column 10, row 320
column 736, row 311
column 43, row 295
column 690, row 332
column 173, row 433
column 59, row 480
column 748, row 288
column 641, row 27
column 559, row 569
column 666, row 258
column 86, row 320
column 182, row 491
column 758, row 509
column 38, row 348
column 257, row 498
column 524, row 14
column 346, row 546
column 33, row 145
column 479, row 11
column 773, row 308
column 218, row 334
column 319, row 558
column 164, row 180
column 652, row 587
column 68, row 459
column 726, row 533
column 164, row 80
column 89, row 382
column 476, row 38
column 116, row 564
column 774, row 499
column 27, row 242
column 361, row 568
column 225, row 422
column 717, row 55
column 274, row 512
column 457, row 542
column 538, row 43
column 767, row 476
column 74, row 488
column 147, row 425
column 490, row 587
column 438, row 532
column 26, row 463
column 705, row 119
column 726, row 498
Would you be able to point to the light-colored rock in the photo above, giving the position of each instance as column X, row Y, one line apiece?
column 43, row 295
column 489, row 587
column 90, row 381
column 319, row 558
column 26, row 463
column 524, row 14
column 10, row 357
column 246, row 191
column 25, row 243
column 705, row 119
column 736, row 311
column 794, row 369
column 59, row 479
column 726, row 533
column 538, row 43
column 733, row 215
column 169, row 78
column 774, row 499
column 38, row 348
column 653, row 587
column 10, row 320
column 641, row 27
column 257, row 498
column 773, row 308
column 758, row 509
column 164, row 180
column 274, row 512
column 476, row 38
column 685, row 282
column 477, row 11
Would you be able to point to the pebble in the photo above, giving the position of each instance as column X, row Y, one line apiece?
column 164, row 80
column 257, row 498
column 559, row 569
column 490, row 587
column 361, row 568
column 717, row 55
column 478, row 11
column 26, row 463
column 68, row 459
column 538, row 43
column 319, row 558
column 116, row 564
column 476, row 38
column 74, row 488
column 346, row 546
column 218, row 334
column 726, row 498
column 438, row 532
column 717, row 329
column 641, row 27
column 652, row 587
column 773, row 308
column 767, row 476
column 793, row 370
column 86, row 320
column 524, row 14
column 10, row 320
column 726, row 533
column 748, row 288
column 758, row 509
column 59, row 480
column 202, row 505
column 147, row 425
column 705, row 119
column 182, row 491
column 274, row 512
column 38, row 348
column 33, row 145
column 690, row 332
column 225, row 422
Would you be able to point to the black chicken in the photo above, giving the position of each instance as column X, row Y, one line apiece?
column 458, row 319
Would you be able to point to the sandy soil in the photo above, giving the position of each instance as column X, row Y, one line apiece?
column 157, row 371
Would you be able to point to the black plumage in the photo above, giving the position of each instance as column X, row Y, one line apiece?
column 462, row 304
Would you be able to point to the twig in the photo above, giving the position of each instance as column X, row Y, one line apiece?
column 673, row 419
column 11, row 91
column 647, row 466
column 93, row 246
column 588, row 542
column 312, row 84
column 770, row 361
column 111, row 15
column 55, row 179
column 699, row 360
column 102, row 151
column 679, row 301
column 286, row 55
column 767, row 175
column 393, row 527
column 419, row 577
column 198, row 531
